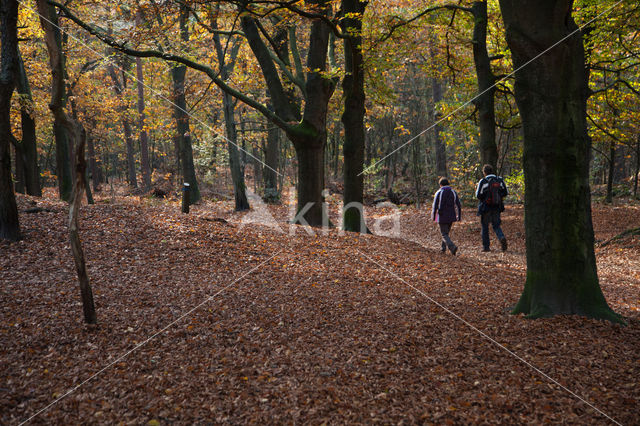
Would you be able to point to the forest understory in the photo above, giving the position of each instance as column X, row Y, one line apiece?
column 240, row 320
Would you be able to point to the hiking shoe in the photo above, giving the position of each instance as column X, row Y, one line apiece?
column 485, row 250
column 503, row 243
column 454, row 251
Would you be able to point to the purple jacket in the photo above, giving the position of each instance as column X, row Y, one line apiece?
column 446, row 206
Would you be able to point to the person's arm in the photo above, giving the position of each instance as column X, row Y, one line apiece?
column 433, row 206
column 459, row 205
column 479, row 190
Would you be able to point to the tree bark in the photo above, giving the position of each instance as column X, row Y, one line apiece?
column 131, row 160
column 440, row 147
column 53, row 39
column 637, row 173
column 9, row 223
column 309, row 135
column 272, row 154
column 237, row 175
column 353, row 117
column 485, row 102
column 551, row 93
column 93, row 165
column 181, row 115
column 612, row 168
column 28, row 145
column 86, row 293
column 309, row 138
column 183, row 134
column 118, row 88
column 144, row 142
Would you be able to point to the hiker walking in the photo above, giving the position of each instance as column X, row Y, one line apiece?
column 490, row 192
column 445, row 210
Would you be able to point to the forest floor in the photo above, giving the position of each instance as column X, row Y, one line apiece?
column 223, row 317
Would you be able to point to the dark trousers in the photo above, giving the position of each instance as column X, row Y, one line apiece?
column 445, row 228
column 490, row 217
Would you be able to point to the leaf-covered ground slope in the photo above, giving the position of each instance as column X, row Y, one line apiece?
column 329, row 328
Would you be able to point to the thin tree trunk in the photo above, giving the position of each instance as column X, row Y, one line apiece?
column 9, row 223
column 551, row 93
column 612, row 167
column 144, row 143
column 86, row 293
column 18, row 167
column 118, row 88
column 237, row 176
column 486, row 79
column 93, row 165
column 637, row 174
column 440, row 147
column 131, row 161
column 271, row 193
column 28, row 145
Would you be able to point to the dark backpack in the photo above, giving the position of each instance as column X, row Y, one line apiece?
column 493, row 197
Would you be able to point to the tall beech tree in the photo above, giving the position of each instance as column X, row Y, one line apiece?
column 353, row 115
column 181, row 115
column 53, row 38
column 9, row 223
column 27, row 147
column 551, row 93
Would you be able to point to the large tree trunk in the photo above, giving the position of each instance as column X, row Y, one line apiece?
column 183, row 134
column 144, row 142
column 28, row 145
column 551, row 93
column 9, row 224
column 353, row 117
column 309, row 138
column 181, row 115
column 310, row 155
column 53, row 38
column 486, row 80
column 309, row 135
column 237, row 175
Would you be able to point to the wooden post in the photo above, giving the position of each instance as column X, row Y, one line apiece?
column 186, row 188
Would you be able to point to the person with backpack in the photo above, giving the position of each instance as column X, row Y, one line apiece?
column 490, row 193
column 445, row 210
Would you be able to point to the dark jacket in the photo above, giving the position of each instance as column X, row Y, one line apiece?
column 481, row 194
column 446, row 206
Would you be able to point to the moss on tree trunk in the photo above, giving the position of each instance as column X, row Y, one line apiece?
column 551, row 93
